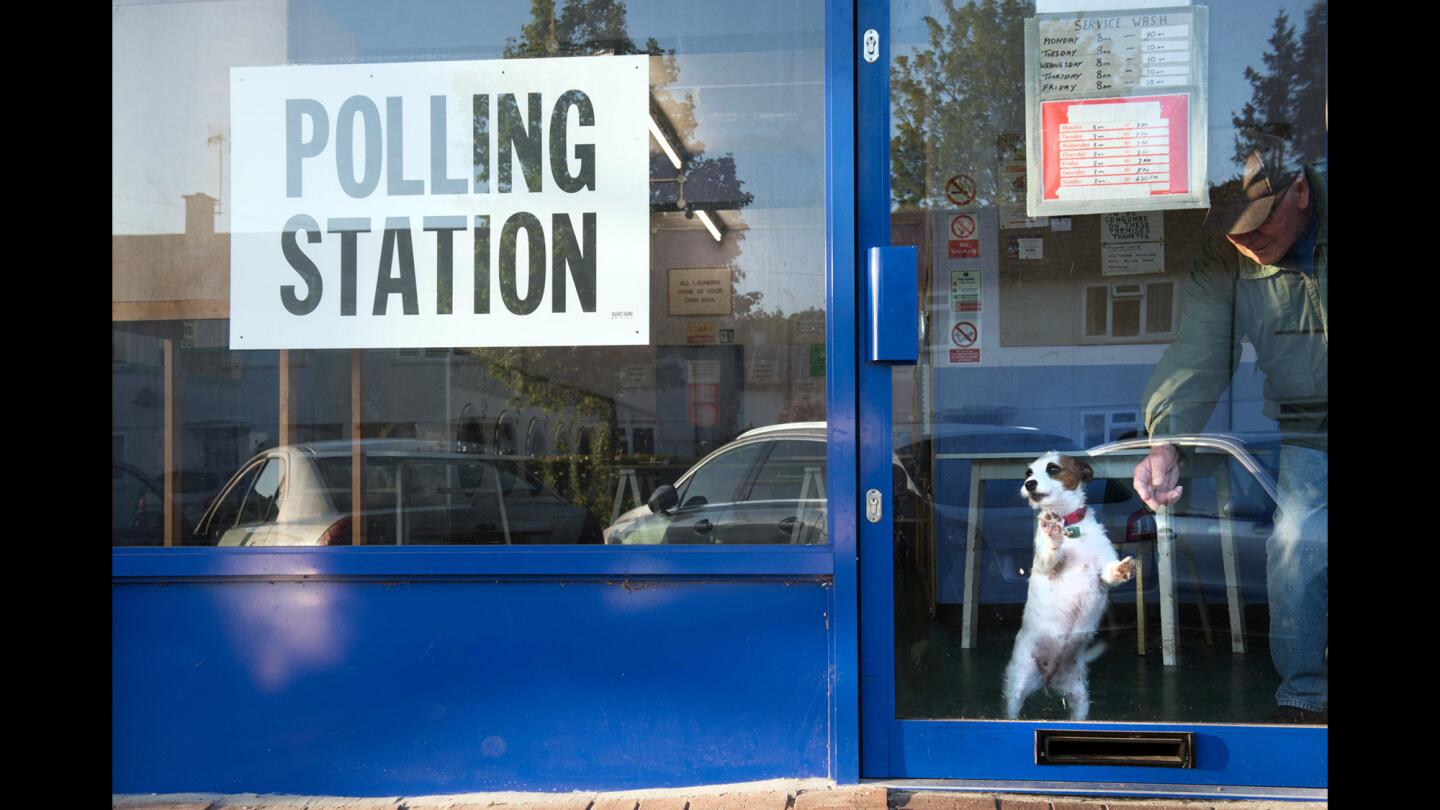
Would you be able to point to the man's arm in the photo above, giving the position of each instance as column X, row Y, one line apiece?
column 1193, row 372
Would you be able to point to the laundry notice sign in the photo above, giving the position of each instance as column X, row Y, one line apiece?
column 1116, row 110
column 435, row 204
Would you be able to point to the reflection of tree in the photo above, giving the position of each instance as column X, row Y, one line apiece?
column 575, row 386
column 1288, row 97
column 958, row 103
column 598, row 27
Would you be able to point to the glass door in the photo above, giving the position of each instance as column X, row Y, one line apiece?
column 1113, row 513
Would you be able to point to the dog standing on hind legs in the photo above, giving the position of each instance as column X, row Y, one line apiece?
column 1074, row 568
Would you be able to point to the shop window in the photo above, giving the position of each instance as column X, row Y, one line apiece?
column 727, row 256
column 1131, row 310
column 1108, row 426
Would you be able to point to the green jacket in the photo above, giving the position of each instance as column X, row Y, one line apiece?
column 1283, row 312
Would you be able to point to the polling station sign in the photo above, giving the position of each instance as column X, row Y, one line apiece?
column 438, row 204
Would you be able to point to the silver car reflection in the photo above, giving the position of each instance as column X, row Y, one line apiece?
column 415, row 493
column 766, row 486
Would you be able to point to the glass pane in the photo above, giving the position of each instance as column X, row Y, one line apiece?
column 261, row 504
column 730, row 215
column 224, row 516
column 1097, row 312
column 1125, row 317
column 1001, row 611
column 1158, row 305
column 792, row 471
column 718, row 480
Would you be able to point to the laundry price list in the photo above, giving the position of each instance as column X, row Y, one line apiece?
column 1118, row 52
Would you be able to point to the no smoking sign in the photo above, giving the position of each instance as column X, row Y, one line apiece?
column 965, row 335
column 964, row 242
column 960, row 190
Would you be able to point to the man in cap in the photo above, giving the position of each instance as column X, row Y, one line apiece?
column 1262, row 275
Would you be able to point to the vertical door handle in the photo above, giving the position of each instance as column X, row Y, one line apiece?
column 893, row 310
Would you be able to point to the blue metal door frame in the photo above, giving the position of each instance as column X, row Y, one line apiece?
column 891, row 748
column 842, row 369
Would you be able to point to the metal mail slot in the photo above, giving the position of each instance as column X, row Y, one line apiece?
column 1156, row 749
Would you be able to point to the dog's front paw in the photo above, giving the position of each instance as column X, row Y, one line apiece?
column 1053, row 527
column 1122, row 571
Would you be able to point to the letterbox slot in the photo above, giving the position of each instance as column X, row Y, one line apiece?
column 1156, row 749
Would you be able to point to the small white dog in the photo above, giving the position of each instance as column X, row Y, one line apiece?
column 1074, row 568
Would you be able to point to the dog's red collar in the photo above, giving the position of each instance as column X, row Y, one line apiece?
column 1075, row 517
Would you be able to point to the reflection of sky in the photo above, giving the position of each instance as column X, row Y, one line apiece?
column 755, row 69
column 1239, row 31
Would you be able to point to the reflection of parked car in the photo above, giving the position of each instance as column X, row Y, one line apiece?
column 138, row 504
column 1199, row 518
column 137, row 507
column 766, row 486
column 415, row 493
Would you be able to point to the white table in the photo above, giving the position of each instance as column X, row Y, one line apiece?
column 1118, row 460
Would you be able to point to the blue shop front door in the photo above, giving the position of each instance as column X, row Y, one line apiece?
column 1059, row 325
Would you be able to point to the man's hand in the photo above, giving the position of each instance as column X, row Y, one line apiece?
column 1156, row 474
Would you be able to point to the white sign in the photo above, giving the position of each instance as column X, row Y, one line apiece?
column 1132, row 242
column 436, row 204
column 700, row 291
column 1117, row 102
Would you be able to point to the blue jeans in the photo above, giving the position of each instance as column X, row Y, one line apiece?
column 1298, row 572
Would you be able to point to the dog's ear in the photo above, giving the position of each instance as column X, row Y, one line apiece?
column 1078, row 467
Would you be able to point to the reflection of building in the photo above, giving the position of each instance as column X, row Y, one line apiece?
column 1091, row 315
column 704, row 379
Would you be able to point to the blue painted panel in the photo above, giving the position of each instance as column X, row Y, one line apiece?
column 386, row 688
column 1224, row 755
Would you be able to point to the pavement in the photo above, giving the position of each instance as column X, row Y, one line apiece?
column 802, row 794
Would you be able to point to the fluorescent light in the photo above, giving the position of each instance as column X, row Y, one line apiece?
column 664, row 143
column 705, row 218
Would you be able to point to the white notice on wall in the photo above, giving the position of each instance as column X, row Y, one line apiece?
column 700, row 291
column 1132, row 242
column 433, row 204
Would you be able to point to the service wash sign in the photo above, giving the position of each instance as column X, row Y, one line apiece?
column 435, row 204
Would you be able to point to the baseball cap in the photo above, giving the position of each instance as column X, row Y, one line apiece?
column 1245, row 208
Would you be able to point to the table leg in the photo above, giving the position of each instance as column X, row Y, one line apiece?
column 969, row 611
column 1165, row 562
column 1140, row 602
column 1233, row 596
